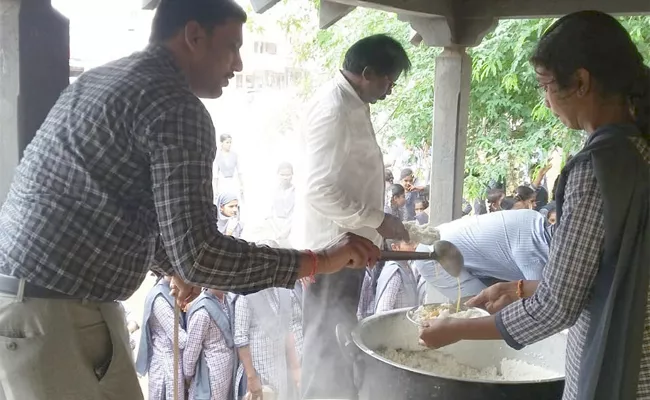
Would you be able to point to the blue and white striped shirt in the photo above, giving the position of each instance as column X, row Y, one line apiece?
column 506, row 245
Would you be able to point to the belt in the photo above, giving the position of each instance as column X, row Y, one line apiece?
column 11, row 285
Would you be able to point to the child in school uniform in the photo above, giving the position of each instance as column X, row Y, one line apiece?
column 210, row 358
column 156, row 351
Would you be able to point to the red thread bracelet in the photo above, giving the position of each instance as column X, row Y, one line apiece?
column 314, row 265
column 520, row 289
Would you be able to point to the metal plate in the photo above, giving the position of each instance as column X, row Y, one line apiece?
column 412, row 314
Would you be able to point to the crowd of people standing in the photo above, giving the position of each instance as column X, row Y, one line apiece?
column 230, row 344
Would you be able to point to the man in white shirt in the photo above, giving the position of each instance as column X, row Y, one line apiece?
column 502, row 246
column 340, row 188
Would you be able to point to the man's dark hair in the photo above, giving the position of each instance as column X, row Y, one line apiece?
column 381, row 53
column 172, row 16
column 396, row 190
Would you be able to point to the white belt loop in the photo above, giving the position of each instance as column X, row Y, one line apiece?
column 20, row 295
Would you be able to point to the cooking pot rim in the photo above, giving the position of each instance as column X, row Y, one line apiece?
column 356, row 338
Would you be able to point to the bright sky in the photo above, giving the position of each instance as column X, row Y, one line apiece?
column 103, row 30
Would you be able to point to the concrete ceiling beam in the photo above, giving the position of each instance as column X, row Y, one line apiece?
column 413, row 7
column 150, row 4
column 331, row 12
column 261, row 6
column 450, row 32
column 548, row 8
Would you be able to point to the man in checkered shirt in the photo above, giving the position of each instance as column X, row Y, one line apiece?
column 121, row 170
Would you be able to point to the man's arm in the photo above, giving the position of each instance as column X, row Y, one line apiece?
column 181, row 149
column 327, row 148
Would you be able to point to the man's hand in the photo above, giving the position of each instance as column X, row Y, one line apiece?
column 438, row 333
column 254, row 388
column 347, row 250
column 496, row 297
column 393, row 228
column 295, row 375
column 132, row 326
column 183, row 292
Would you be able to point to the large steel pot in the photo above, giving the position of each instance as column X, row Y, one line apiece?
column 378, row 378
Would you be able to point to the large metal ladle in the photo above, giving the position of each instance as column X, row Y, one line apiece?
column 446, row 253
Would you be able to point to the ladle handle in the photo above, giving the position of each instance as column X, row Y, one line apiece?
column 406, row 255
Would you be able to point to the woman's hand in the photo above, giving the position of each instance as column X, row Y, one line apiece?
column 496, row 297
column 438, row 333
column 500, row 295
column 441, row 332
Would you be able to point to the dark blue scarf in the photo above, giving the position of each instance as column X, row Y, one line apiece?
column 225, row 323
column 161, row 288
column 609, row 368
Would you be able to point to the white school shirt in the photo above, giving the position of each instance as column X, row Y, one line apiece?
column 340, row 173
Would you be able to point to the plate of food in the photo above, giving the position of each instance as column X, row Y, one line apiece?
column 419, row 314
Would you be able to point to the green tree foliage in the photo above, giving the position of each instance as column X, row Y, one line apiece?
column 509, row 127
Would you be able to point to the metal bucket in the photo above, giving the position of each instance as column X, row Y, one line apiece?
column 379, row 378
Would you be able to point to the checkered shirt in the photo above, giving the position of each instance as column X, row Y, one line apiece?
column 367, row 298
column 296, row 323
column 560, row 299
column 161, row 369
column 394, row 296
column 268, row 353
column 204, row 334
column 120, row 171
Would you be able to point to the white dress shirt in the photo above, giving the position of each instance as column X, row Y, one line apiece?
column 506, row 245
column 340, row 174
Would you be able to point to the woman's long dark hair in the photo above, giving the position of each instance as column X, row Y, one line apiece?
column 598, row 43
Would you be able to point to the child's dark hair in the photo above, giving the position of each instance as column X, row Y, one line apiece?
column 396, row 190
column 494, row 195
column 388, row 176
column 523, row 193
column 507, row 203
column 285, row 165
column 551, row 207
column 405, row 173
column 424, row 202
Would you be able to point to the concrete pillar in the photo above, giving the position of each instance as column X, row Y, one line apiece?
column 450, row 115
column 34, row 69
